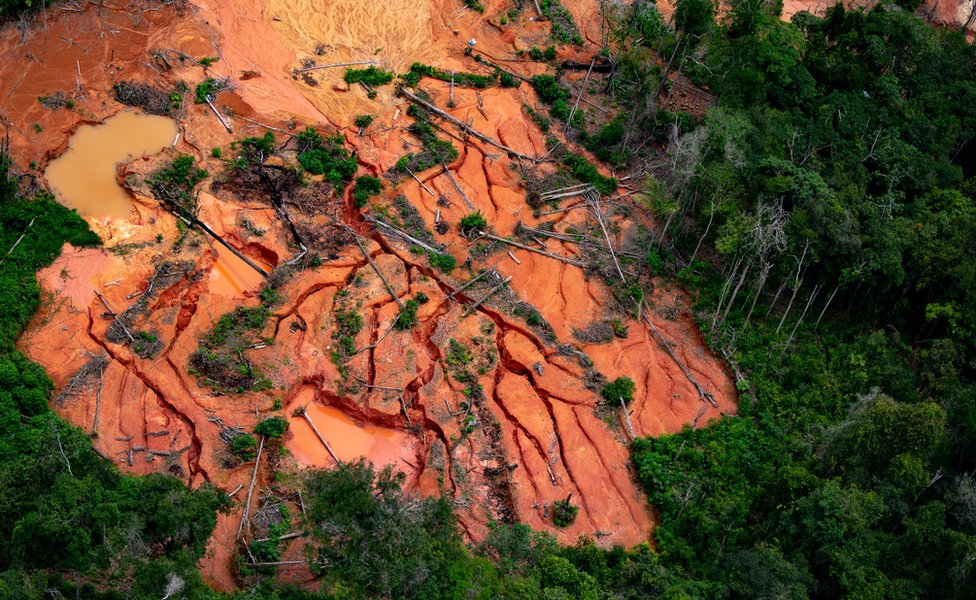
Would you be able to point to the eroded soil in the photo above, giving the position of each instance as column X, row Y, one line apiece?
column 533, row 430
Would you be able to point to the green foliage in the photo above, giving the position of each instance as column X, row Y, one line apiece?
column 475, row 4
column 175, row 183
column 563, row 26
column 436, row 151
column 472, row 222
column 366, row 187
column 207, row 89
column 442, row 261
column 408, row 314
column 255, row 150
column 552, row 94
column 244, row 446
column 363, row 121
column 326, row 156
column 272, row 427
column 584, row 171
column 371, row 76
column 621, row 388
column 418, row 70
column 564, row 512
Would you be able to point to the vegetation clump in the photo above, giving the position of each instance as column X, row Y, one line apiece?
column 207, row 89
column 418, row 70
column 408, row 314
column 563, row 25
column 436, row 151
column 564, row 512
column 473, row 222
column 175, row 183
column 272, row 427
column 366, row 187
column 326, row 156
column 371, row 76
column 621, row 388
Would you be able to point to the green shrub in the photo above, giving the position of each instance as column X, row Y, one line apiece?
column 619, row 388
column 364, row 121
column 443, row 261
column 563, row 512
column 208, row 88
column 366, row 187
column 244, row 446
column 326, row 156
column 472, row 222
column 408, row 314
column 371, row 76
column 587, row 173
column 175, row 182
column 273, row 427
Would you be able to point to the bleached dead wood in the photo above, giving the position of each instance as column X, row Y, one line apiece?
column 347, row 64
column 461, row 124
column 564, row 259
column 490, row 293
column 321, row 438
column 245, row 517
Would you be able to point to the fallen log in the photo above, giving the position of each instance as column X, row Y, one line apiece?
column 220, row 117
column 564, row 259
column 321, row 439
column 333, row 65
column 490, row 293
column 457, row 186
column 461, row 124
column 369, row 258
column 115, row 315
column 471, row 282
column 245, row 517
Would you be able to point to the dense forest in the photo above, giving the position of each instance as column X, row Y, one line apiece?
column 821, row 212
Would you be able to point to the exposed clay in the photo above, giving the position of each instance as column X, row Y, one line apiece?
column 532, row 433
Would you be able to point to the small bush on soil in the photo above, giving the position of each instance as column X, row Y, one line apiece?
column 347, row 324
column 472, row 222
column 507, row 80
column 244, row 446
column 444, row 262
column 371, row 76
column 274, row 427
column 621, row 387
column 564, row 29
column 207, row 89
column 458, row 355
column 364, row 121
column 255, row 150
column 367, row 186
column 408, row 314
column 563, row 512
column 147, row 344
column 175, row 183
column 326, row 156
column 553, row 95
column 436, row 151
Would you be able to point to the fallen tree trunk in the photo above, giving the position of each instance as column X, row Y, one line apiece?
column 568, row 261
column 321, row 439
column 461, row 124
column 245, row 518
column 490, row 293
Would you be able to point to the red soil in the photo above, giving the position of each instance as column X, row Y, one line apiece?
column 538, row 435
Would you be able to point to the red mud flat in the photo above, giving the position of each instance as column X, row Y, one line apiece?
column 519, row 430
